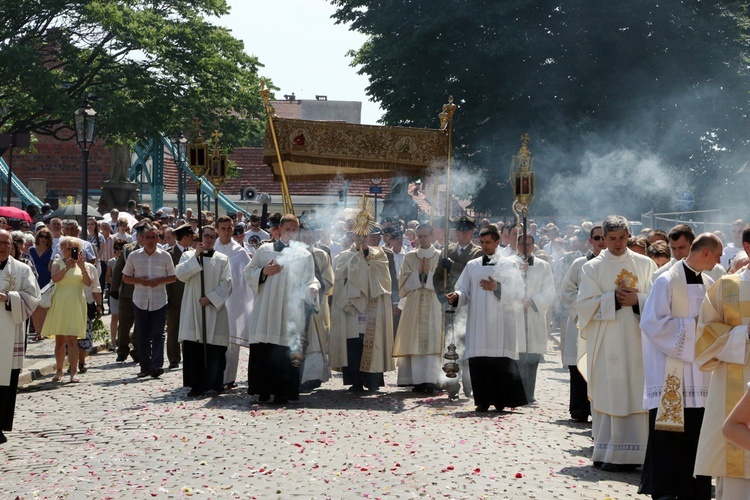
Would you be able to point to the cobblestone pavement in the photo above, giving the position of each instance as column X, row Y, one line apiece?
column 116, row 436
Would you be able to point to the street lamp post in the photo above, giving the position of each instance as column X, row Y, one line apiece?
column 181, row 154
column 85, row 121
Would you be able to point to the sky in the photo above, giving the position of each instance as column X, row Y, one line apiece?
column 302, row 49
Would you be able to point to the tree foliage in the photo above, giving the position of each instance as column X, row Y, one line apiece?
column 665, row 79
column 148, row 67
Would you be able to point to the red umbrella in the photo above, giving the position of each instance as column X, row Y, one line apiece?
column 15, row 213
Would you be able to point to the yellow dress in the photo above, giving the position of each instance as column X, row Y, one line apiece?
column 67, row 316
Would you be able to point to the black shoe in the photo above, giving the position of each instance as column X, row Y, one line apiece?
column 143, row 374
column 121, row 358
column 419, row 388
column 610, row 467
column 482, row 408
column 264, row 398
column 82, row 368
column 579, row 417
column 194, row 393
column 356, row 388
column 598, row 465
column 174, row 364
column 3, row 439
column 310, row 385
column 280, row 400
column 157, row 373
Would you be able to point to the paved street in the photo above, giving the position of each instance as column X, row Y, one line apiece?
column 115, row 436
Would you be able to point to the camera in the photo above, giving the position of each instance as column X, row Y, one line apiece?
column 74, row 253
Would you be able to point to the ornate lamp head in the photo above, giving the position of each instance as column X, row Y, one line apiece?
column 198, row 151
column 521, row 176
column 217, row 171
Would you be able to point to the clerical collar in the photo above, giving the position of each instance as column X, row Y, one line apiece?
column 208, row 253
column 692, row 277
column 487, row 260
column 590, row 255
column 278, row 245
column 4, row 263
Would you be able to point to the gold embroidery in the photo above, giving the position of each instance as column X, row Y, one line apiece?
column 369, row 340
column 626, row 279
column 671, row 404
column 10, row 280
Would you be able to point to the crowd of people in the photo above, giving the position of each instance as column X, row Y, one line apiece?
column 653, row 326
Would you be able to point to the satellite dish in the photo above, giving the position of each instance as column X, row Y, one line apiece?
column 263, row 198
column 248, row 194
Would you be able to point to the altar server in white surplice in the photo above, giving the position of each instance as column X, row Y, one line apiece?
column 492, row 287
column 613, row 290
column 240, row 302
column 540, row 294
column 316, row 369
column 203, row 364
column 676, row 389
column 419, row 340
column 19, row 296
column 282, row 275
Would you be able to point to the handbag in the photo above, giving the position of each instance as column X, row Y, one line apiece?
column 46, row 295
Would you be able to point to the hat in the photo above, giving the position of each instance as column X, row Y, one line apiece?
column 141, row 225
column 375, row 229
column 182, row 231
column 39, row 225
column 274, row 220
column 465, row 223
column 239, row 228
column 389, row 230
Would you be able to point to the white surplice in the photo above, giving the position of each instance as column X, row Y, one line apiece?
column 17, row 280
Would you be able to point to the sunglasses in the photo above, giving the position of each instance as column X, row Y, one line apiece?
column 597, row 238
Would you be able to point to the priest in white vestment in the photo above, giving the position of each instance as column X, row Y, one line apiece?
column 19, row 296
column 723, row 349
column 362, row 316
column 419, row 340
column 204, row 361
column 579, row 406
column 681, row 238
column 538, row 298
column 493, row 289
column 675, row 388
column 240, row 302
column 614, row 288
column 282, row 275
column 316, row 369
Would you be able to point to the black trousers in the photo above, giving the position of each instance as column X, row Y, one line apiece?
column 496, row 382
column 8, row 401
column 670, row 459
column 270, row 371
column 352, row 374
column 203, row 371
column 579, row 400
column 127, row 319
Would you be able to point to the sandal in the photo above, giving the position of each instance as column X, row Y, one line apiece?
column 58, row 376
column 73, row 378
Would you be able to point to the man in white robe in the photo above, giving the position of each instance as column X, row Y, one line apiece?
column 614, row 287
column 493, row 289
column 675, row 388
column 361, row 316
column 680, row 239
column 208, row 285
column 282, row 275
column 723, row 349
column 419, row 339
column 315, row 369
column 579, row 406
column 240, row 302
column 19, row 296
column 539, row 296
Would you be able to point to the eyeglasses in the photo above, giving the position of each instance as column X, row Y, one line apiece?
column 5, row 243
column 210, row 236
column 597, row 238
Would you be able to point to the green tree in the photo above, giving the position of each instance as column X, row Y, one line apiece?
column 148, row 67
column 667, row 80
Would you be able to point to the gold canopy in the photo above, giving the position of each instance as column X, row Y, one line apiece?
column 318, row 150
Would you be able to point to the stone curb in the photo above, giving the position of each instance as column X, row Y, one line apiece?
column 44, row 368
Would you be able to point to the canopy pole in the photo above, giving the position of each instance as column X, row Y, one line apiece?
column 286, row 198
